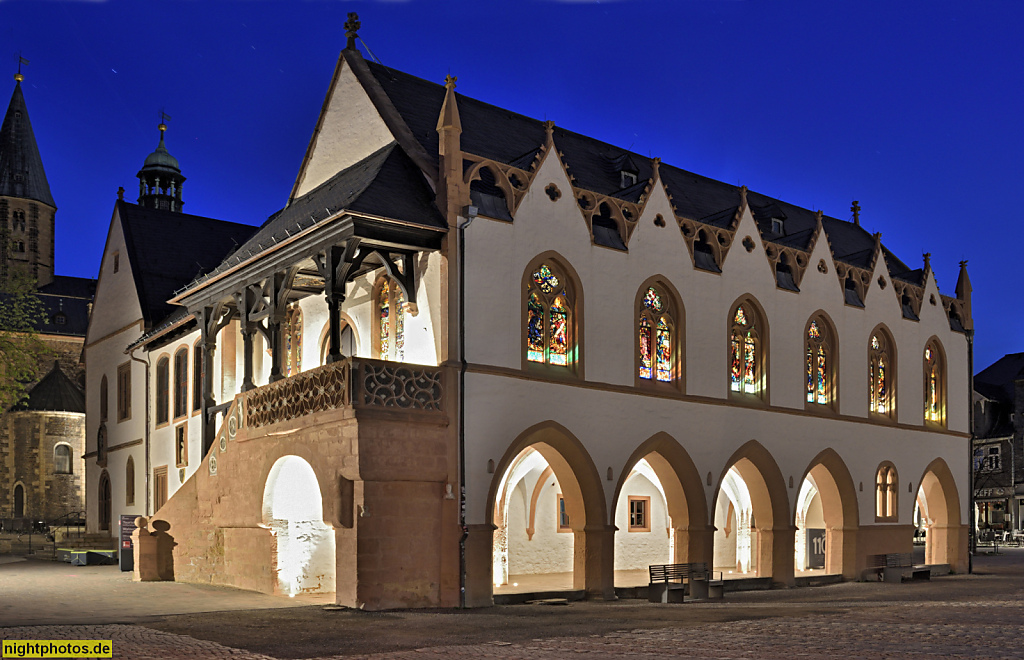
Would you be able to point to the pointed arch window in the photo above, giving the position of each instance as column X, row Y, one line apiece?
column 103, row 398
column 162, row 389
column 390, row 315
column 656, row 336
column 819, row 364
column 880, row 375
column 746, row 354
column 181, row 382
column 550, row 317
column 887, row 486
column 293, row 340
column 129, row 482
column 934, row 385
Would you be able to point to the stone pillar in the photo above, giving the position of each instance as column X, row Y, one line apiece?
column 694, row 544
column 480, row 565
column 775, row 555
column 247, row 333
column 594, row 561
column 841, row 552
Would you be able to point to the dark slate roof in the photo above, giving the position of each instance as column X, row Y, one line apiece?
column 385, row 184
column 21, row 168
column 167, row 249
column 508, row 137
column 55, row 392
column 996, row 380
column 67, row 301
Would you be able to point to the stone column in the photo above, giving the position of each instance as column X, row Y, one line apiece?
column 480, row 565
column 334, row 301
column 594, row 561
column 775, row 554
column 694, row 544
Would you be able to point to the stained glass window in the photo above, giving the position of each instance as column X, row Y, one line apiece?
column 657, row 320
column 933, row 403
column 652, row 299
column 745, row 352
column 399, row 324
column 664, row 351
column 385, row 319
column 545, row 279
column 819, row 367
column 878, row 376
column 534, row 329
column 391, row 320
column 549, row 310
column 645, row 348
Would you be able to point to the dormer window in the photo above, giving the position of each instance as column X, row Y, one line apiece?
column 627, row 179
column 778, row 226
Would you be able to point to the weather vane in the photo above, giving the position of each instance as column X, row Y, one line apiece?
column 21, row 60
column 164, row 118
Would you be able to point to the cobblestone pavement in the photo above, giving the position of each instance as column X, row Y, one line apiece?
column 982, row 629
column 970, row 616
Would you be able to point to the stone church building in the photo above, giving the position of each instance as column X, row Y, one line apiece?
column 477, row 352
column 42, row 439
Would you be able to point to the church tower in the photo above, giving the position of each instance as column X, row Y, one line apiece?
column 160, row 179
column 27, row 210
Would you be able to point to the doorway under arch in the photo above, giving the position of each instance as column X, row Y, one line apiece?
column 304, row 548
column 826, row 518
column 548, row 510
column 939, row 502
column 753, row 533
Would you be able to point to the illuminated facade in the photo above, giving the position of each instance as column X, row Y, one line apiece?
column 647, row 366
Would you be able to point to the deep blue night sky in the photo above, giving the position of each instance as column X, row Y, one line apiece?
column 915, row 109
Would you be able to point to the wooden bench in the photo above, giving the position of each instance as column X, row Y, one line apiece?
column 669, row 583
column 897, row 567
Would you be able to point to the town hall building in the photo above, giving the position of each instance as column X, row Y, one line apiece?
column 477, row 353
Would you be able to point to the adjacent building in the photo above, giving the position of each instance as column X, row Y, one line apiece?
column 42, row 439
column 999, row 446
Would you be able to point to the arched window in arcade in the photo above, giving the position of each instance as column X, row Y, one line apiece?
column 887, row 486
column 163, row 380
column 880, row 375
column 746, row 351
column 292, row 330
column 390, row 316
column 934, row 385
column 656, row 337
column 550, row 317
column 62, row 459
column 181, row 382
column 820, row 361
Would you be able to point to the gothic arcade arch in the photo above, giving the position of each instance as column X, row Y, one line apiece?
column 946, row 535
column 684, row 496
column 840, row 511
column 584, row 502
column 770, row 509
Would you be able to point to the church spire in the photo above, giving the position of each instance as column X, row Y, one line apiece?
column 21, row 168
column 160, row 178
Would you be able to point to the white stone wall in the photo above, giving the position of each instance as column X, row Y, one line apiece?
column 549, row 551
column 637, row 549
column 611, row 417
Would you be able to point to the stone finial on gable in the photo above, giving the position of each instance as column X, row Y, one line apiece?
column 656, row 167
column 855, row 209
column 351, row 30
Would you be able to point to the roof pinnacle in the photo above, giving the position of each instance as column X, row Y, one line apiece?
column 351, row 29
column 855, row 209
